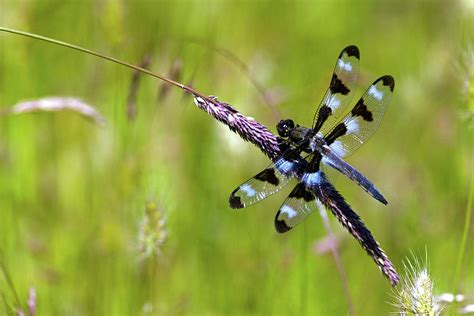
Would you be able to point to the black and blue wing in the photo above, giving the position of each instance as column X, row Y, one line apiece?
column 363, row 120
column 356, row 128
column 341, row 89
column 267, row 182
column 300, row 203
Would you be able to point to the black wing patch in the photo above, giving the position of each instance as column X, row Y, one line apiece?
column 300, row 203
column 297, row 206
column 269, row 175
column 340, row 91
column 363, row 120
column 266, row 183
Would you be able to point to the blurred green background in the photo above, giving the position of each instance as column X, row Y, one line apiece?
column 73, row 195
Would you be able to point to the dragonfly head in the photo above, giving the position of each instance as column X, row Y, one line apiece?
column 284, row 127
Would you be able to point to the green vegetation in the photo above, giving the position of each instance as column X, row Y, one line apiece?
column 77, row 199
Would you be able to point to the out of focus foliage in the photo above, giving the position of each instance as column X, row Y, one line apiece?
column 74, row 195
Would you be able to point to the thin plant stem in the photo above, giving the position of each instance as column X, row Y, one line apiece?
column 9, row 280
column 246, row 127
column 133, row 90
column 340, row 268
column 112, row 59
column 467, row 221
column 304, row 271
column 245, row 70
column 5, row 304
column 152, row 295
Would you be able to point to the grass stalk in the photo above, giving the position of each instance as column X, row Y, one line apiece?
column 467, row 221
column 112, row 59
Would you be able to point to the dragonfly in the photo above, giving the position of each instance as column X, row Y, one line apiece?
column 311, row 154
column 324, row 146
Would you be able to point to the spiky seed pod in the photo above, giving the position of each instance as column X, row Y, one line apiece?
column 415, row 296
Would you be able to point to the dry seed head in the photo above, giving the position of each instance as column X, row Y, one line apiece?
column 152, row 233
column 415, row 296
column 56, row 104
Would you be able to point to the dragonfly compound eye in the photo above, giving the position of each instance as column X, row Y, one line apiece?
column 284, row 127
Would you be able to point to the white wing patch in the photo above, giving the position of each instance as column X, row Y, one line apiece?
column 338, row 148
column 288, row 211
column 352, row 125
column 375, row 93
column 334, row 103
column 346, row 66
column 248, row 189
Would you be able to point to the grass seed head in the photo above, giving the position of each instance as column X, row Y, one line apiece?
column 415, row 295
column 152, row 232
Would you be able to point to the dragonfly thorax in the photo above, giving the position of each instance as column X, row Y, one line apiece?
column 294, row 133
column 299, row 135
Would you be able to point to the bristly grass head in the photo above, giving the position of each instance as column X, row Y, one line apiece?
column 415, row 295
column 152, row 231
